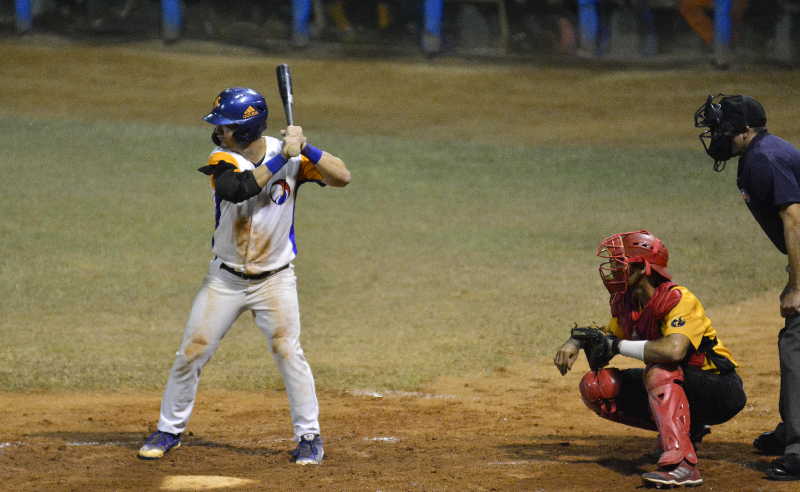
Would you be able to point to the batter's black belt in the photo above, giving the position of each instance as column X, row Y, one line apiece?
column 257, row 276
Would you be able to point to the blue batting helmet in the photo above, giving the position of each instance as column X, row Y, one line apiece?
column 243, row 107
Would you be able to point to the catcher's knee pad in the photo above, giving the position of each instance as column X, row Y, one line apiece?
column 599, row 390
column 669, row 408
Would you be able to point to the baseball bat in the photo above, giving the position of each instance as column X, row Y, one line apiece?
column 285, row 89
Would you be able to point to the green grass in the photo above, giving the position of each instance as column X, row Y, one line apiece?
column 440, row 258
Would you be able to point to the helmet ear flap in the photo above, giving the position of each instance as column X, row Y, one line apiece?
column 244, row 134
column 241, row 135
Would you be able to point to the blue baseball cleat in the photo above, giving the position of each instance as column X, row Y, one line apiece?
column 309, row 450
column 157, row 444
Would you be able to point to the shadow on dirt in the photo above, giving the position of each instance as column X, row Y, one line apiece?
column 624, row 455
column 133, row 440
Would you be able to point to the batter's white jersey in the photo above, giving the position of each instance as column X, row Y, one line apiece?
column 257, row 235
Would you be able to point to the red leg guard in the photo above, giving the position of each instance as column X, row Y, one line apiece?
column 599, row 390
column 670, row 410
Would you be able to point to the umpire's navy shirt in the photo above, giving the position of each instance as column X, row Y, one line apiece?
column 769, row 179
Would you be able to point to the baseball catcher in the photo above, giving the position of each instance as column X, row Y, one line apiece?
column 689, row 381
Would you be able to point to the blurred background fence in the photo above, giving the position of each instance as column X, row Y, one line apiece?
column 720, row 32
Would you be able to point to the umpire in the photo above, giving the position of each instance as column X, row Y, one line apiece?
column 769, row 179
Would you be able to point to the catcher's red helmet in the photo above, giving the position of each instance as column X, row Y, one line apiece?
column 631, row 247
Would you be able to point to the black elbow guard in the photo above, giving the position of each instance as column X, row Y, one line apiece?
column 216, row 169
column 236, row 187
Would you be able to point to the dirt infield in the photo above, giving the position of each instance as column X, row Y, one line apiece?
column 518, row 428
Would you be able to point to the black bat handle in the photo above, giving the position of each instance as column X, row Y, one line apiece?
column 285, row 89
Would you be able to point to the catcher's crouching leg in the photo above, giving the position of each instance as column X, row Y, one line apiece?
column 600, row 391
column 670, row 410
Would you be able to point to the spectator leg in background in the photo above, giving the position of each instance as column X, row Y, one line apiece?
column 604, row 11
column 301, row 15
column 567, row 37
column 648, row 37
column 694, row 12
column 794, row 32
column 738, row 9
column 566, row 27
column 171, row 20
column 432, row 26
column 318, row 26
column 722, row 32
column 384, row 13
column 24, row 16
column 338, row 13
column 589, row 26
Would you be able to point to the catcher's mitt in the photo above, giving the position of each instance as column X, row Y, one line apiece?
column 598, row 345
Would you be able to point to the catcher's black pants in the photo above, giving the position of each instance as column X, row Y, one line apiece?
column 713, row 398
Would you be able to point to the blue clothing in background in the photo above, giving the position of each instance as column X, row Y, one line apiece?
column 301, row 16
column 432, row 16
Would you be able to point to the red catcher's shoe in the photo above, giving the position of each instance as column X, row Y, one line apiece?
column 681, row 475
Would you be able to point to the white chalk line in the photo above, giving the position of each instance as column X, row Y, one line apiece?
column 382, row 439
column 98, row 443
column 125, row 443
column 401, row 394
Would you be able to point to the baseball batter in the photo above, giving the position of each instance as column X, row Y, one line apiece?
column 689, row 381
column 254, row 182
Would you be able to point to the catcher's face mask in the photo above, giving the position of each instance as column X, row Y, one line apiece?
column 614, row 272
column 615, row 276
column 623, row 249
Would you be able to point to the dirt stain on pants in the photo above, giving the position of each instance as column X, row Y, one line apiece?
column 281, row 344
column 197, row 345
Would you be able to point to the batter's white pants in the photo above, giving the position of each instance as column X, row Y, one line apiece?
column 221, row 299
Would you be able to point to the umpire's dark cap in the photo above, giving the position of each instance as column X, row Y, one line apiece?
column 743, row 111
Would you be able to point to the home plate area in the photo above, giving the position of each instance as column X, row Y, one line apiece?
column 203, row 482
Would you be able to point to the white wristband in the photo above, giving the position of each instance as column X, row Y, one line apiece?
column 632, row 348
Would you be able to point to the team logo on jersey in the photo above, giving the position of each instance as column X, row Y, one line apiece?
column 279, row 192
column 249, row 112
column 678, row 322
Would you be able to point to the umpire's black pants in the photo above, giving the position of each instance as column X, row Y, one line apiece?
column 789, row 352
